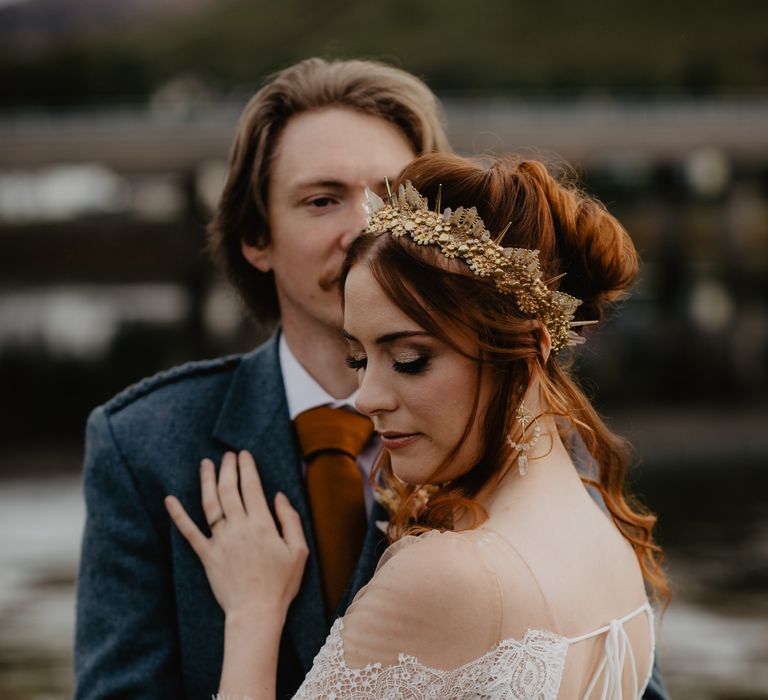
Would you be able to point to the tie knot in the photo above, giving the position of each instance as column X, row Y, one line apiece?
column 326, row 429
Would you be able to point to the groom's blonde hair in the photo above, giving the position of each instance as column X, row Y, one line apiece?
column 368, row 87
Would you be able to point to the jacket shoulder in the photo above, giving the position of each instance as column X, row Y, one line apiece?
column 177, row 379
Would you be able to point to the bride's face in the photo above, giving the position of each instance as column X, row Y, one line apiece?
column 417, row 390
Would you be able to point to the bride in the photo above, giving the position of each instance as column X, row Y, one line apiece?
column 505, row 577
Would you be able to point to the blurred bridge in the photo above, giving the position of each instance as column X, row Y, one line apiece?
column 582, row 132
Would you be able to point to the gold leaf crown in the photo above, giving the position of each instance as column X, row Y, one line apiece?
column 462, row 234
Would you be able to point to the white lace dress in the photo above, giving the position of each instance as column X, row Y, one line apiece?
column 438, row 599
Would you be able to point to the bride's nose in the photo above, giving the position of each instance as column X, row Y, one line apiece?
column 375, row 395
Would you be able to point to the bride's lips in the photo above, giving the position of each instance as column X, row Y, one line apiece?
column 393, row 441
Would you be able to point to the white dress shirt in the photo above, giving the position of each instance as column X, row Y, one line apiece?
column 302, row 392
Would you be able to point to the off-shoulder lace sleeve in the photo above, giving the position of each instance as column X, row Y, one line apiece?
column 529, row 668
column 431, row 613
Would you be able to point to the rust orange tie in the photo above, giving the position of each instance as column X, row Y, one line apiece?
column 331, row 439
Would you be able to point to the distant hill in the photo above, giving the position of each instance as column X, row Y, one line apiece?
column 123, row 51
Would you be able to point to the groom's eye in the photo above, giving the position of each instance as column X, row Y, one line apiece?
column 321, row 202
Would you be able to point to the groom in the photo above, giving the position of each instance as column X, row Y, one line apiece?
column 307, row 145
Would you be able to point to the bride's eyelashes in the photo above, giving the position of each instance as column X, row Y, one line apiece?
column 356, row 362
column 412, row 366
column 415, row 365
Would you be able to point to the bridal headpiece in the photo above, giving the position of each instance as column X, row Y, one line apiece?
column 462, row 234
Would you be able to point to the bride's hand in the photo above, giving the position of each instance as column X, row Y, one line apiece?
column 251, row 568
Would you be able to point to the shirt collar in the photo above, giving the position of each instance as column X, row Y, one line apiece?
column 302, row 392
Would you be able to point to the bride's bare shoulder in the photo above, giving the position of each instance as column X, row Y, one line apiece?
column 430, row 588
column 436, row 553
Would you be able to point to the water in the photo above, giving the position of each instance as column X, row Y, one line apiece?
column 711, row 656
column 713, row 643
column 41, row 522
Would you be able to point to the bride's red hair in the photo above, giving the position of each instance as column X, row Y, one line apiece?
column 574, row 234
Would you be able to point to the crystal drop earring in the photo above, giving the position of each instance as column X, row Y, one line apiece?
column 524, row 418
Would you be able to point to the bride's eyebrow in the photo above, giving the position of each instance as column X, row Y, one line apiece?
column 389, row 337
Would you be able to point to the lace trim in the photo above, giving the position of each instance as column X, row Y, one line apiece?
column 511, row 670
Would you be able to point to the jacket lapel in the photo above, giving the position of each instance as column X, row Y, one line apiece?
column 254, row 417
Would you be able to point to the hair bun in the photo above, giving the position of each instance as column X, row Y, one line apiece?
column 599, row 258
column 581, row 239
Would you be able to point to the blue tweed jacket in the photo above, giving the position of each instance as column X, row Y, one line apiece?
column 148, row 625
